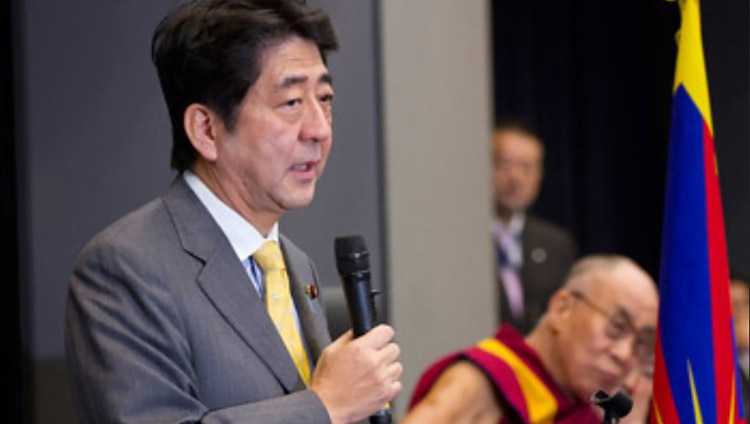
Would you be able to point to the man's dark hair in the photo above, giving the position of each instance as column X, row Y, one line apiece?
column 210, row 52
column 517, row 124
column 737, row 276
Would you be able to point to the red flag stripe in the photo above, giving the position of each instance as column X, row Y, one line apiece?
column 719, row 270
column 662, row 395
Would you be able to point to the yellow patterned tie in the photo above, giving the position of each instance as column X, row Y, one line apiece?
column 279, row 304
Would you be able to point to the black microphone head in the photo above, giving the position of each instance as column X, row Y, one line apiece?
column 617, row 405
column 351, row 255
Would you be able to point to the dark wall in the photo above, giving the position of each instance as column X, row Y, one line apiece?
column 726, row 40
column 596, row 79
column 15, row 355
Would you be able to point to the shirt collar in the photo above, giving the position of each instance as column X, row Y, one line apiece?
column 244, row 238
column 514, row 226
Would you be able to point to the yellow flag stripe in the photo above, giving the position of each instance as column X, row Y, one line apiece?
column 696, row 401
column 734, row 397
column 540, row 402
column 656, row 412
column 690, row 71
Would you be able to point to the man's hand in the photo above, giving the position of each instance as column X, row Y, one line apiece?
column 354, row 378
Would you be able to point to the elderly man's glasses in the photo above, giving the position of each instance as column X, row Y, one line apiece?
column 620, row 325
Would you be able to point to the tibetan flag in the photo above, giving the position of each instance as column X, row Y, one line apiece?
column 696, row 375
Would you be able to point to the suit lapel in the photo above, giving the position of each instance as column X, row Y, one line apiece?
column 309, row 308
column 227, row 285
column 527, row 243
column 309, row 317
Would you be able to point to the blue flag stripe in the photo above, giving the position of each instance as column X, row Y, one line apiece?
column 685, row 279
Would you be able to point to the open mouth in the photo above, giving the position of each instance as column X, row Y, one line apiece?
column 303, row 167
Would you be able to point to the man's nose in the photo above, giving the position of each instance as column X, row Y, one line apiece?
column 623, row 349
column 518, row 171
column 316, row 126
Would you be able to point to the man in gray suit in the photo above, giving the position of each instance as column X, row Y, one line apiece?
column 167, row 318
column 533, row 255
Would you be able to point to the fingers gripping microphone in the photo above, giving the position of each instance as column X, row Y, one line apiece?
column 615, row 406
column 353, row 264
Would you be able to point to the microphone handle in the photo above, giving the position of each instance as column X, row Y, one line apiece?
column 359, row 298
column 381, row 417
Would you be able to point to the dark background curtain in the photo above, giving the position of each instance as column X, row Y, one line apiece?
column 595, row 78
column 16, row 365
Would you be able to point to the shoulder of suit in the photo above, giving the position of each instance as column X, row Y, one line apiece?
column 138, row 223
column 537, row 226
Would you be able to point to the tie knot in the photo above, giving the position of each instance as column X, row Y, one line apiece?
column 269, row 257
column 507, row 237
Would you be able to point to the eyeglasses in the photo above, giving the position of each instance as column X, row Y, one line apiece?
column 620, row 325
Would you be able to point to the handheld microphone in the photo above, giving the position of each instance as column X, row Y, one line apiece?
column 353, row 264
column 615, row 406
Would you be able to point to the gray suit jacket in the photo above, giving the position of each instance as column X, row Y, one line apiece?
column 164, row 326
column 548, row 253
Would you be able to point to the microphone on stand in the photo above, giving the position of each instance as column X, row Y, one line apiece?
column 353, row 264
column 615, row 406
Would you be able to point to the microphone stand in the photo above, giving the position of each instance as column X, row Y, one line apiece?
column 615, row 406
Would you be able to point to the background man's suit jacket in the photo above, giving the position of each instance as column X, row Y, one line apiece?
column 163, row 325
column 548, row 253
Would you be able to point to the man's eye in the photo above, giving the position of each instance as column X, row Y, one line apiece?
column 619, row 327
column 646, row 346
column 326, row 98
column 292, row 102
column 648, row 372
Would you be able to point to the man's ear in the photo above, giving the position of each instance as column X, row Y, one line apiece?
column 202, row 127
column 560, row 307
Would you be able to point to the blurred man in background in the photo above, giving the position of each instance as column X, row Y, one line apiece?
column 533, row 255
column 740, row 295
